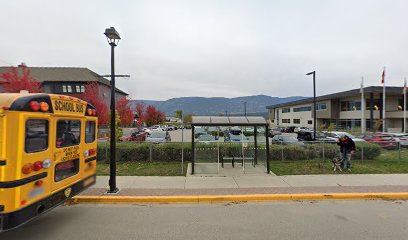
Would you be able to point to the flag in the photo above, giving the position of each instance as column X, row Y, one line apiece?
column 383, row 77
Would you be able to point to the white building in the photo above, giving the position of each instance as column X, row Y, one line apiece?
column 343, row 109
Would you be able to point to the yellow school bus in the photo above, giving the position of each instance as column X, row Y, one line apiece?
column 48, row 151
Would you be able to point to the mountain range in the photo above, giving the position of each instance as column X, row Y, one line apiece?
column 201, row 106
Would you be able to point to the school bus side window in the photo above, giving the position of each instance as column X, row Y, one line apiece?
column 36, row 135
column 90, row 131
column 68, row 133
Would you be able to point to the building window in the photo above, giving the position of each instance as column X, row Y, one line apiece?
column 350, row 106
column 302, row 109
column 296, row 121
column 66, row 88
column 80, row 88
column 321, row 106
column 285, row 120
column 309, row 122
column 285, row 110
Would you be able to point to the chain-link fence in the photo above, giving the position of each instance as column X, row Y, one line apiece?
column 245, row 155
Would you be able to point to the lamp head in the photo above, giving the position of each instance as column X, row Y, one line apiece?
column 310, row 73
column 112, row 36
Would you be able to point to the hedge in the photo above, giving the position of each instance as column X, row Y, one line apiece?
column 172, row 151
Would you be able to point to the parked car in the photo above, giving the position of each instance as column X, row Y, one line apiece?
column 275, row 131
column 290, row 129
column 198, row 131
column 169, row 127
column 132, row 135
column 207, row 138
column 159, row 137
column 386, row 141
column 307, row 136
column 287, row 140
column 337, row 135
column 298, row 129
column 401, row 138
column 236, row 138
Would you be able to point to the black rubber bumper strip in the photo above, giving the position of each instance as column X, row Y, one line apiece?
column 2, row 162
column 20, row 182
column 90, row 159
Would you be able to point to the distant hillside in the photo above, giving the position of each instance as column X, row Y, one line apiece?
column 256, row 105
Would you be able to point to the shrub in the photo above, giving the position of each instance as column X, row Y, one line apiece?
column 172, row 151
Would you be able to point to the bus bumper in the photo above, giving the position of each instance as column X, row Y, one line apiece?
column 14, row 219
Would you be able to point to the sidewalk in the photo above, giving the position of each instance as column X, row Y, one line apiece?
column 253, row 185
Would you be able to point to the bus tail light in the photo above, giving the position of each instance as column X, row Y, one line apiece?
column 34, row 105
column 37, row 166
column 89, row 111
column 94, row 112
column 44, row 107
column 91, row 152
column 28, row 168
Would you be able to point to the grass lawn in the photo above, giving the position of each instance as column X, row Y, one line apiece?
column 387, row 162
column 143, row 168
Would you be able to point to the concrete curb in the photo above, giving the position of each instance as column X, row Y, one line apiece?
column 235, row 198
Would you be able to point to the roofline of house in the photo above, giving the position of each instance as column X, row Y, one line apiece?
column 99, row 78
column 354, row 92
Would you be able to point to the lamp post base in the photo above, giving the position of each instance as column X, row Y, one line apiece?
column 115, row 191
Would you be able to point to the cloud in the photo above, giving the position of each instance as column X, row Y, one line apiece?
column 215, row 48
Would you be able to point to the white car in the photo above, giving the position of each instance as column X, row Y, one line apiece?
column 337, row 135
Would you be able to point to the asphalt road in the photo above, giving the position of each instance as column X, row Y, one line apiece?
column 273, row 220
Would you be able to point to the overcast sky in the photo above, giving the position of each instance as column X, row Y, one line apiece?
column 215, row 47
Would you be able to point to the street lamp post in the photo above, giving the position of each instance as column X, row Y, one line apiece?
column 245, row 103
column 314, row 103
column 113, row 39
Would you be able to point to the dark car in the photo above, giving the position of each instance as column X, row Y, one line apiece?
column 307, row 136
column 290, row 129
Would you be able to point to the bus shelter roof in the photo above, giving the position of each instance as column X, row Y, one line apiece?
column 228, row 121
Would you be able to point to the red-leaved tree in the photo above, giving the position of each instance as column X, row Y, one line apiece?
column 124, row 110
column 140, row 110
column 91, row 95
column 13, row 82
column 153, row 116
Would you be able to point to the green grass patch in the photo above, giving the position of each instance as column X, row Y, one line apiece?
column 143, row 169
column 387, row 162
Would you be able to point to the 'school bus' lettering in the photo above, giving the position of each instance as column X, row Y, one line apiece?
column 66, row 106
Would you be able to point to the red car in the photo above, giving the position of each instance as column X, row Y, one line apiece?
column 386, row 141
column 133, row 135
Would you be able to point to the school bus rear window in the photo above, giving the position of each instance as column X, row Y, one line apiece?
column 68, row 133
column 36, row 135
column 90, row 131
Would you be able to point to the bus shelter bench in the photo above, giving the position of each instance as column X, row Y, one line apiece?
column 233, row 159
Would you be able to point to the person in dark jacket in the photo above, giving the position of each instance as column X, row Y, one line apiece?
column 347, row 148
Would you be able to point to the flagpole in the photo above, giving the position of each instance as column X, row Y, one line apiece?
column 383, row 108
column 362, row 106
column 405, row 105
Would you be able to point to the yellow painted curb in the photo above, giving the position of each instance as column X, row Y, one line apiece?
column 235, row 198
